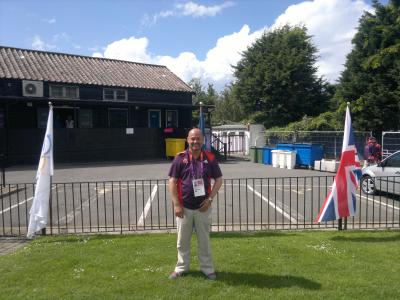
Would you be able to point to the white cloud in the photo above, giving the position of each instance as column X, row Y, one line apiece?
column 131, row 49
column 49, row 21
column 227, row 52
column 188, row 9
column 216, row 68
column 97, row 54
column 331, row 23
column 39, row 44
column 197, row 10
column 61, row 37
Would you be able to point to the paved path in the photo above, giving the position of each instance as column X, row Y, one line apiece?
column 10, row 244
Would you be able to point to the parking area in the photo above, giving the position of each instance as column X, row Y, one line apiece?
column 232, row 168
column 134, row 197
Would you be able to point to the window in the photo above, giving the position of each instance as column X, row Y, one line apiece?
column 85, row 118
column 115, row 95
column 42, row 114
column 171, row 118
column 393, row 161
column 61, row 91
column 117, row 117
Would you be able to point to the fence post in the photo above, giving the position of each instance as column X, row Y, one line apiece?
column 225, row 152
column 340, row 224
column 3, row 170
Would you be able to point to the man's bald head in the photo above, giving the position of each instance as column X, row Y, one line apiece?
column 195, row 140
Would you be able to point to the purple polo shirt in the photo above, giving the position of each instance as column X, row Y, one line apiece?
column 183, row 168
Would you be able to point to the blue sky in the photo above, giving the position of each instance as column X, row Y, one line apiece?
column 193, row 38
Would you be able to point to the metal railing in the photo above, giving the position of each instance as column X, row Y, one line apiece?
column 219, row 146
column 330, row 140
column 242, row 204
column 390, row 142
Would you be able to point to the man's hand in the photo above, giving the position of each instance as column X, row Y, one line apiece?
column 178, row 209
column 205, row 205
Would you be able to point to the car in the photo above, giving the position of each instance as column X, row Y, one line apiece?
column 382, row 177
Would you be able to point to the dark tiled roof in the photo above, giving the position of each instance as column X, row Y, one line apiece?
column 59, row 67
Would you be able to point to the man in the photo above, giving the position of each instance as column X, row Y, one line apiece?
column 192, row 195
column 69, row 123
column 372, row 151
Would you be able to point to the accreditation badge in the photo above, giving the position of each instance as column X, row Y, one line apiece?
column 198, row 187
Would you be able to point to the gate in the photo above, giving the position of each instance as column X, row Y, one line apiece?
column 236, row 142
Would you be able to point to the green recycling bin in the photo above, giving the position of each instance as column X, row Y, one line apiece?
column 260, row 155
column 253, row 154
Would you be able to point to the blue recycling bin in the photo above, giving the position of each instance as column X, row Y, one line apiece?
column 286, row 147
column 267, row 157
column 307, row 154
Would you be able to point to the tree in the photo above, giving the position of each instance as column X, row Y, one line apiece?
column 227, row 109
column 208, row 98
column 276, row 78
column 371, row 77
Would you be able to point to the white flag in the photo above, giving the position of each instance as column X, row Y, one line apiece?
column 40, row 204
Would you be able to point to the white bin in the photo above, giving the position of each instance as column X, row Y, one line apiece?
column 275, row 154
column 290, row 159
column 282, row 159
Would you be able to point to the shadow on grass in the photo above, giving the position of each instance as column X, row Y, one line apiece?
column 251, row 234
column 260, row 280
column 368, row 239
column 81, row 238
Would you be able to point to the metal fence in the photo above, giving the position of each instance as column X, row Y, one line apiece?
column 330, row 140
column 144, row 205
column 390, row 142
column 236, row 142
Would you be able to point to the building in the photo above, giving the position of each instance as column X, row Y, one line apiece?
column 104, row 109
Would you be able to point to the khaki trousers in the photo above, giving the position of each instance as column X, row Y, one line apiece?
column 201, row 223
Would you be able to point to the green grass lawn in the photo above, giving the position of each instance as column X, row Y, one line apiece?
column 264, row 265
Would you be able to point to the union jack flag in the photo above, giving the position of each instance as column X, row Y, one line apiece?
column 341, row 201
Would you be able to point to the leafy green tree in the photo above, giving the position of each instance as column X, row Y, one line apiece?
column 227, row 109
column 276, row 78
column 372, row 72
column 207, row 97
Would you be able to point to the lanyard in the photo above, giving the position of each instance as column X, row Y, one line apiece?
column 192, row 163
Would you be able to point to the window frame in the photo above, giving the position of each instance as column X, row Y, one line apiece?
column 63, row 91
column 177, row 117
column 115, row 91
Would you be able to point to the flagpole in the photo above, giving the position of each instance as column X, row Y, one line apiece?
column 43, row 231
column 340, row 221
column 51, row 182
column 345, row 219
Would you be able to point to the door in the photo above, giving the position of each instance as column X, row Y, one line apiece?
column 154, row 118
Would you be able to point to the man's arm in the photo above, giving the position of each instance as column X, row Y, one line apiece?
column 173, row 190
column 214, row 191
